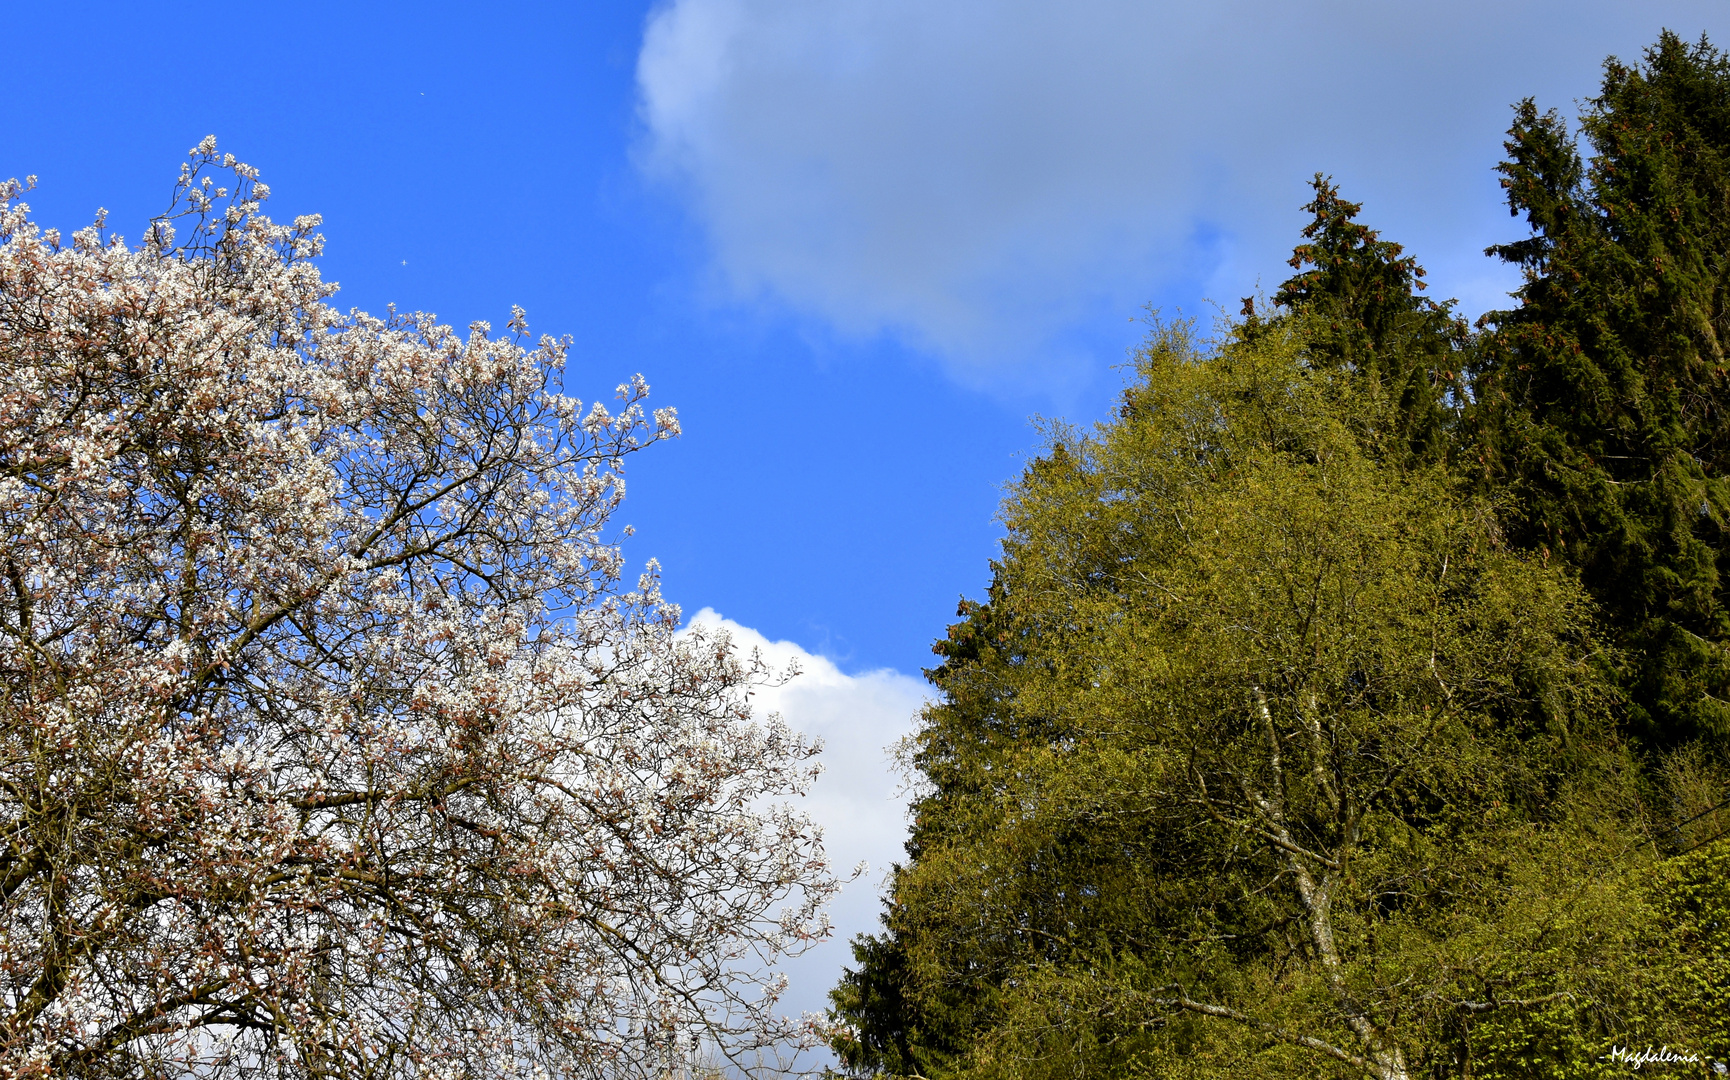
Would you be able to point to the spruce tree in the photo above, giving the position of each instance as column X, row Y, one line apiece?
column 925, row 986
column 1600, row 401
column 1363, row 297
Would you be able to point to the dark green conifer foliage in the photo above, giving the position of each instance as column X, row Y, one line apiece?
column 1363, row 297
column 1600, row 402
column 897, row 1030
column 919, row 991
column 886, row 1026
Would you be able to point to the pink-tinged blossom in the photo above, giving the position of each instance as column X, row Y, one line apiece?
column 332, row 744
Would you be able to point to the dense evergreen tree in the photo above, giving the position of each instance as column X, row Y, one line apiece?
column 925, row 987
column 1601, row 401
column 894, row 1028
column 1364, row 299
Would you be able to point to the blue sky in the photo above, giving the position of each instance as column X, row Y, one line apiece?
column 858, row 243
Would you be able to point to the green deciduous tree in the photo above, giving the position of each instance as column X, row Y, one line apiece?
column 1265, row 754
column 1289, row 738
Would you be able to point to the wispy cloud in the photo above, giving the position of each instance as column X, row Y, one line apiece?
column 977, row 176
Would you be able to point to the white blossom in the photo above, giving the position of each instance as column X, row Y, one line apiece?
column 332, row 744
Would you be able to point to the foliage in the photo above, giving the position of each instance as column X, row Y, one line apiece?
column 331, row 745
column 1675, row 999
column 1288, row 740
column 1266, row 754
column 1363, row 299
column 1601, row 397
column 1692, row 896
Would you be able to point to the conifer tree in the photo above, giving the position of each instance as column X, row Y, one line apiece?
column 1363, row 297
column 1601, row 400
column 918, row 990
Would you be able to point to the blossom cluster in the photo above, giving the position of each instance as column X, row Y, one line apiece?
column 333, row 742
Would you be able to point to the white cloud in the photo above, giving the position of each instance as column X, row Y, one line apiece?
column 979, row 175
column 857, row 800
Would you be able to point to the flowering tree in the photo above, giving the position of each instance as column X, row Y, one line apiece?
column 331, row 744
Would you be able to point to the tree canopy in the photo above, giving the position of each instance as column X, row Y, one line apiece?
column 332, row 744
column 1367, row 313
column 1601, row 396
column 1263, row 751
column 1353, row 702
